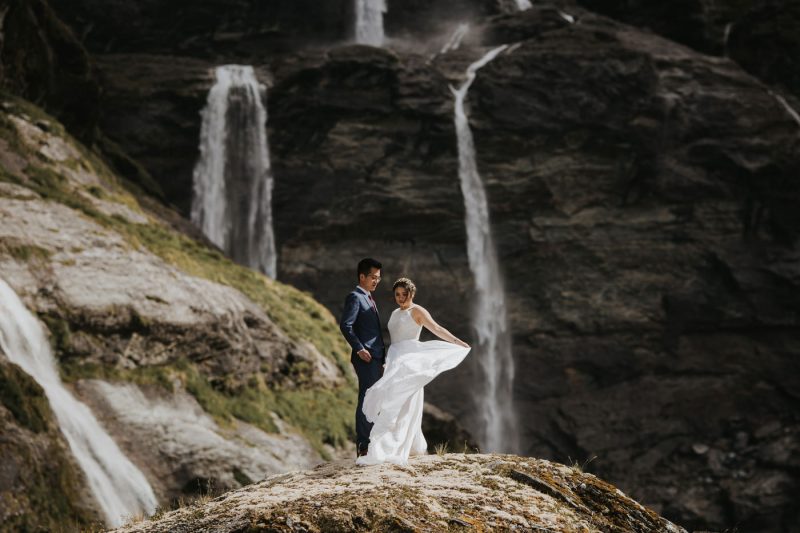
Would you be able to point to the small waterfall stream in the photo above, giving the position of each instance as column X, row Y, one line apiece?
column 489, row 315
column 117, row 484
column 369, row 22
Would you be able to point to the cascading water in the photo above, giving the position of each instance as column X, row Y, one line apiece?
column 369, row 22
column 789, row 109
column 232, row 200
column 119, row 487
column 489, row 316
column 454, row 43
column 726, row 35
column 522, row 5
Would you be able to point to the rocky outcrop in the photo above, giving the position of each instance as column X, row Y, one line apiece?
column 452, row 492
column 205, row 373
column 765, row 40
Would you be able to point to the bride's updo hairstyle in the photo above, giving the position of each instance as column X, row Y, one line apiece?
column 407, row 284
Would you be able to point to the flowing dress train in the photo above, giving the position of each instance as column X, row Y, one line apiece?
column 394, row 403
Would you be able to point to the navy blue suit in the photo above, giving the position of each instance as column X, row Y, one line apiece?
column 361, row 326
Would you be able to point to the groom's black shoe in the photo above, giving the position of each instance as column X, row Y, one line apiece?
column 362, row 450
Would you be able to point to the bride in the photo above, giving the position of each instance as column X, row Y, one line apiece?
column 394, row 403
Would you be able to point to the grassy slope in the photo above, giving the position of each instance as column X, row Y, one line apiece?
column 323, row 415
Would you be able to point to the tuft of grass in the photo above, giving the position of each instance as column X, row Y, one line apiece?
column 441, row 449
column 580, row 468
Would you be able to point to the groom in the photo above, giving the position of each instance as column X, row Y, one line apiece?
column 361, row 326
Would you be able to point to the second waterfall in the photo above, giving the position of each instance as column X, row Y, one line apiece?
column 232, row 201
column 489, row 316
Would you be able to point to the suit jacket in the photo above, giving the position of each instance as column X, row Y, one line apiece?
column 361, row 325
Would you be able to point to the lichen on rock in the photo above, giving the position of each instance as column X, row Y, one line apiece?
column 451, row 492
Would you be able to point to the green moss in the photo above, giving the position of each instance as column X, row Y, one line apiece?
column 22, row 251
column 60, row 334
column 295, row 312
column 19, row 106
column 45, row 496
column 26, row 400
column 323, row 415
column 160, row 375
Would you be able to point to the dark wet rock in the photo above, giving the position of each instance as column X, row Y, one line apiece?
column 42, row 61
column 763, row 36
column 40, row 482
column 250, row 28
column 443, row 432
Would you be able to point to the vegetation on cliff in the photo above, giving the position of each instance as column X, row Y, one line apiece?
column 323, row 414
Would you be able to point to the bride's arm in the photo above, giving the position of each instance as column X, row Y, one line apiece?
column 423, row 317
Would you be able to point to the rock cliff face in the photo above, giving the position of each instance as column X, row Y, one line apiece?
column 42, row 61
column 643, row 197
column 453, row 492
column 248, row 28
column 762, row 36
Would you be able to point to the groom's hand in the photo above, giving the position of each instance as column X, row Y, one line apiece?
column 365, row 355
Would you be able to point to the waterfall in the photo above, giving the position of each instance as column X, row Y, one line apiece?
column 232, row 200
column 454, row 43
column 369, row 22
column 566, row 16
column 489, row 315
column 119, row 487
column 522, row 5
column 726, row 35
column 789, row 109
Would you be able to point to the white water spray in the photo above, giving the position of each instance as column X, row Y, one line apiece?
column 454, row 43
column 369, row 22
column 119, row 487
column 489, row 316
column 232, row 200
column 726, row 36
column 522, row 5
column 789, row 109
column 566, row 16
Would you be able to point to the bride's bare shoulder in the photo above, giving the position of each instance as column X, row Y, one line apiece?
column 418, row 310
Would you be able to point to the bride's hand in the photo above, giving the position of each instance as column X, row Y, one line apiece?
column 461, row 343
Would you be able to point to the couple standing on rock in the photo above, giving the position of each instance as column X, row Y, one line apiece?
column 390, row 385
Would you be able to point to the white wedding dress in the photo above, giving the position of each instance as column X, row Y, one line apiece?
column 394, row 402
